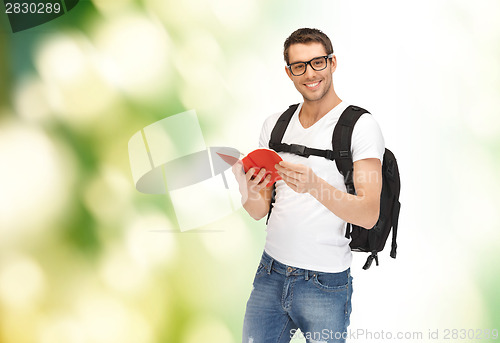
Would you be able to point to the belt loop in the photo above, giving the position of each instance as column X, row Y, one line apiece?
column 306, row 272
column 270, row 266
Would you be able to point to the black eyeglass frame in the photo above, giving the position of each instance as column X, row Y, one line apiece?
column 289, row 66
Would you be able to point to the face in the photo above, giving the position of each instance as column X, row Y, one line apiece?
column 313, row 85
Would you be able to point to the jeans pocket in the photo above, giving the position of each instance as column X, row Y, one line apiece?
column 261, row 270
column 331, row 282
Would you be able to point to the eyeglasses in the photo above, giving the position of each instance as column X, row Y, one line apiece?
column 317, row 63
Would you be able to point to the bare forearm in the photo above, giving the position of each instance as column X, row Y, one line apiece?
column 257, row 207
column 361, row 209
column 356, row 209
column 255, row 196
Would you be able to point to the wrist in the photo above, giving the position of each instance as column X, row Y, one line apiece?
column 316, row 186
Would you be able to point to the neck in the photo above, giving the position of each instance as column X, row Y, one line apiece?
column 312, row 111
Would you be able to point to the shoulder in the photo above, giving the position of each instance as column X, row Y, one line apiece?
column 367, row 138
column 271, row 120
column 267, row 128
column 367, row 120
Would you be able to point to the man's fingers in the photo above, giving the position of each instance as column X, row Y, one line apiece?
column 250, row 173
column 291, row 184
column 259, row 176
column 237, row 168
column 291, row 166
column 265, row 181
column 290, row 181
column 289, row 175
column 292, row 172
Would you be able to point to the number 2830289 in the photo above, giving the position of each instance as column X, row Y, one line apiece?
column 32, row 8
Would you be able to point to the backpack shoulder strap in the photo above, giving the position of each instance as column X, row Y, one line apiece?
column 281, row 125
column 275, row 141
column 341, row 142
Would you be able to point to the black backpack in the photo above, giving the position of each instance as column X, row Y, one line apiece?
column 364, row 240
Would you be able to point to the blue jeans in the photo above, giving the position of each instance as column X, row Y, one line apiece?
column 285, row 298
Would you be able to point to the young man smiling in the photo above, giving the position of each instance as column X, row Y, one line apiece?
column 303, row 279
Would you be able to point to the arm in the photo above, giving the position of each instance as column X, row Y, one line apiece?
column 258, row 208
column 361, row 209
column 255, row 196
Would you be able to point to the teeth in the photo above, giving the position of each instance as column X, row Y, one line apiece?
column 312, row 85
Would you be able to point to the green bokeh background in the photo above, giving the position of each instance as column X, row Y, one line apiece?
column 84, row 257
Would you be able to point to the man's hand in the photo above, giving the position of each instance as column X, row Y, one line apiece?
column 298, row 177
column 255, row 196
column 250, row 186
column 361, row 209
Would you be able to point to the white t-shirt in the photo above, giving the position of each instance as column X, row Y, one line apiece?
column 301, row 231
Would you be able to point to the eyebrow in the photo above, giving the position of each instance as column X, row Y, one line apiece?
column 312, row 58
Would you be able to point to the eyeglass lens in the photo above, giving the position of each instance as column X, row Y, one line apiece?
column 317, row 64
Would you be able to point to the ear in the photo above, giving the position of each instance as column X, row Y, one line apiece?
column 333, row 65
column 288, row 73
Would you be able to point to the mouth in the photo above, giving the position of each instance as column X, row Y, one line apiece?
column 312, row 85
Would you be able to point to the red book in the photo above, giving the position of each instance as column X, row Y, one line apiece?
column 260, row 158
column 263, row 158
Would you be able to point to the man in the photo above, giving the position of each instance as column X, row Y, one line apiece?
column 303, row 280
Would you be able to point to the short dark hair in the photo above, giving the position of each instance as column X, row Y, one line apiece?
column 304, row 36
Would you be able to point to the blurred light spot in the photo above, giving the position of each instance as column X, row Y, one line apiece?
column 134, row 55
column 105, row 320
column 178, row 13
column 480, row 117
column 120, row 273
column 62, row 58
column 147, row 244
column 251, row 68
column 111, row 6
column 30, row 100
column 198, row 51
column 22, row 282
column 235, row 13
column 469, row 199
column 108, row 195
column 207, row 329
column 233, row 241
column 458, row 282
column 14, row 324
column 61, row 329
column 68, row 67
column 204, row 93
column 197, row 60
column 34, row 181
column 481, row 19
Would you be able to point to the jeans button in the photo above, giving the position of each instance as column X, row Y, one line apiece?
column 289, row 269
